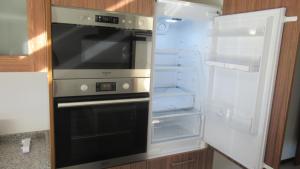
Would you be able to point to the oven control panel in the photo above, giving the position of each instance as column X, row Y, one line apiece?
column 106, row 86
column 86, row 87
column 107, row 19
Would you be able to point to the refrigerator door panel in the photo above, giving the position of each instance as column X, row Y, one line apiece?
column 242, row 67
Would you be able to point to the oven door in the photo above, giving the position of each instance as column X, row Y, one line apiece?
column 89, row 129
column 117, row 52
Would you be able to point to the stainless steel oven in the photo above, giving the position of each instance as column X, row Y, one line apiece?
column 100, row 123
column 101, row 68
column 95, row 44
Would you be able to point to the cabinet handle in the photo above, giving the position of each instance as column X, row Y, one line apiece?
column 182, row 163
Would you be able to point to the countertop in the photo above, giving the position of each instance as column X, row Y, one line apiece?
column 11, row 156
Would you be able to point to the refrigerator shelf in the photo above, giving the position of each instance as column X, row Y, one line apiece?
column 169, row 92
column 169, row 51
column 172, row 102
column 234, row 65
column 176, row 51
column 161, row 68
column 175, row 68
column 175, row 113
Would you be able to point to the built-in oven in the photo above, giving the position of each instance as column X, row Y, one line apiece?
column 100, row 123
column 101, row 71
column 94, row 44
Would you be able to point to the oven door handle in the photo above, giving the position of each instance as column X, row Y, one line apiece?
column 102, row 102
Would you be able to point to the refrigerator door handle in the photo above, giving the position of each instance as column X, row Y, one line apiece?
column 291, row 19
column 202, row 125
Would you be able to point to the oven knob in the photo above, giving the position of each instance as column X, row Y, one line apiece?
column 126, row 86
column 84, row 87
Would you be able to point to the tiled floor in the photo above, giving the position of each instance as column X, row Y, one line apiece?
column 289, row 166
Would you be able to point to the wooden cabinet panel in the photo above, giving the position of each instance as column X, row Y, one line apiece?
column 192, row 160
column 142, row 7
column 158, row 163
column 185, row 161
column 139, row 165
column 38, row 58
column 121, row 167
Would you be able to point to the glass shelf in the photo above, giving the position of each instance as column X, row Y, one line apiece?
column 175, row 113
column 166, row 92
column 168, row 99
column 169, row 51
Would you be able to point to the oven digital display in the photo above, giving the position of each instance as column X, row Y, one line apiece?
column 107, row 19
column 105, row 86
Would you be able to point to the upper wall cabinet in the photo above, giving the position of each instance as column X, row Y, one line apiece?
column 140, row 7
column 13, row 28
column 24, row 31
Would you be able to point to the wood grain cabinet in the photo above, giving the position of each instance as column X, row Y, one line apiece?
column 121, row 167
column 158, row 163
column 201, row 159
column 192, row 160
column 37, row 57
column 138, row 165
column 141, row 7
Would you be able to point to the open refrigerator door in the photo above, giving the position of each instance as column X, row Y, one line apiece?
column 214, row 79
column 242, row 67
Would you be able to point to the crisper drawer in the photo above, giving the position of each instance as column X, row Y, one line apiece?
column 177, row 127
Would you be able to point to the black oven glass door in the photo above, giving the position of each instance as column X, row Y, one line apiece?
column 99, row 132
column 93, row 47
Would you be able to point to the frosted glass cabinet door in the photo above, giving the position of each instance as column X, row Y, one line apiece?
column 242, row 72
column 13, row 27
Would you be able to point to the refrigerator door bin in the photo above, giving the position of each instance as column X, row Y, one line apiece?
column 227, row 115
column 234, row 64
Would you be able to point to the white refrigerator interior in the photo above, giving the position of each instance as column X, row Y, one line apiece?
column 214, row 79
column 181, row 37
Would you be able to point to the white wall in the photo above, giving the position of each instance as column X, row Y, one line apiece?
column 291, row 132
column 24, row 103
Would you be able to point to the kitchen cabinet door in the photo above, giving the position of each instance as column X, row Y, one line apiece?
column 201, row 159
column 26, row 25
column 139, row 165
column 190, row 160
column 121, row 167
column 141, row 7
column 158, row 163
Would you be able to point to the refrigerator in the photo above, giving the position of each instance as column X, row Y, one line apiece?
column 213, row 80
